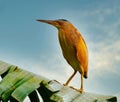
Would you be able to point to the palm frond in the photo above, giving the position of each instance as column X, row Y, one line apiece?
column 17, row 84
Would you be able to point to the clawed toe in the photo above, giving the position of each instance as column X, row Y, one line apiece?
column 79, row 90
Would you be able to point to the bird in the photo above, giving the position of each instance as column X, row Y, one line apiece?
column 73, row 47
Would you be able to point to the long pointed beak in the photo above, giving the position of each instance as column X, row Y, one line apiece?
column 52, row 22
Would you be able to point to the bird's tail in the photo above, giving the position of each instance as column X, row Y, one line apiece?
column 85, row 75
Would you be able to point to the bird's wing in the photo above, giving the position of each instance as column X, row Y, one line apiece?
column 82, row 54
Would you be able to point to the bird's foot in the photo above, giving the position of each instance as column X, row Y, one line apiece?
column 66, row 84
column 79, row 90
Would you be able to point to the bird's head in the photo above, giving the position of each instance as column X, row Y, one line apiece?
column 60, row 23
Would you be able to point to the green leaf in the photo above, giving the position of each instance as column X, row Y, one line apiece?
column 7, row 93
column 11, row 79
column 26, row 88
column 4, row 67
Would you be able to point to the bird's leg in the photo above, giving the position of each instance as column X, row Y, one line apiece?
column 81, row 89
column 68, row 81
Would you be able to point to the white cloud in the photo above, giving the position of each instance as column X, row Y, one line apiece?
column 105, row 56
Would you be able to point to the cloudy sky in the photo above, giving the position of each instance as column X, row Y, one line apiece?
column 34, row 46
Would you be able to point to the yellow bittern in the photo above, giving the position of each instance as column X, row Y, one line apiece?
column 73, row 48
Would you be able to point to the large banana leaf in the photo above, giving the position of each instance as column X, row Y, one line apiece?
column 17, row 84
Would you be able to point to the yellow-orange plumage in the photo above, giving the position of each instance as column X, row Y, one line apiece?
column 73, row 47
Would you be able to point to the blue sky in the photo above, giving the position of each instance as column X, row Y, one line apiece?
column 34, row 46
